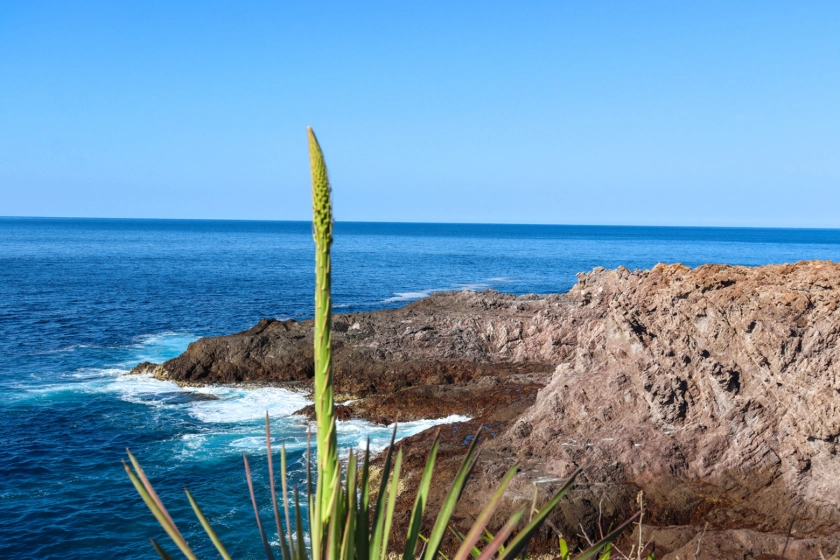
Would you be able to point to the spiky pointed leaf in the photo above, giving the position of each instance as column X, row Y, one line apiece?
column 497, row 543
column 420, row 501
column 207, row 528
column 592, row 551
column 483, row 518
column 451, row 500
column 269, row 555
column 520, row 542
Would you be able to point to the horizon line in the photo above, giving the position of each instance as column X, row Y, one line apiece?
column 245, row 220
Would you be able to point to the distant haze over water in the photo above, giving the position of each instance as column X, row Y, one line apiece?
column 83, row 300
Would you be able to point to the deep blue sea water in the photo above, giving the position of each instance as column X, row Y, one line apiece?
column 82, row 301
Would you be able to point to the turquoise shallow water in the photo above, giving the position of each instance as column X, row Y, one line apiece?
column 81, row 301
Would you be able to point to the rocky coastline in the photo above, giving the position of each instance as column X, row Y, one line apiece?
column 714, row 391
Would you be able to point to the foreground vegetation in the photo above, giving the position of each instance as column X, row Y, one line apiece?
column 349, row 519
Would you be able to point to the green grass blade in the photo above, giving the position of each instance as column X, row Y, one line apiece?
column 392, row 501
column 164, row 521
column 592, row 551
column 520, row 542
column 284, row 549
column 162, row 553
column 207, row 528
column 266, row 546
column 439, row 529
column 420, row 501
column 498, row 541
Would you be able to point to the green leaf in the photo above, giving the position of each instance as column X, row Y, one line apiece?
column 334, row 528
column 284, row 479
column 484, row 517
column 564, row 549
column 607, row 552
column 301, row 545
column 420, row 502
column 349, row 539
column 363, row 519
column 451, row 500
column 207, row 528
column 162, row 553
column 497, row 542
column 475, row 552
column 266, row 546
column 284, row 548
column 441, row 554
column 592, row 551
column 392, row 501
column 520, row 542
column 379, row 510
column 147, row 493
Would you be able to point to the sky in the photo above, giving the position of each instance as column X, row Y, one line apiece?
column 637, row 113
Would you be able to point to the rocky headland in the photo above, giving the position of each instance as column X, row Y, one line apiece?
column 715, row 391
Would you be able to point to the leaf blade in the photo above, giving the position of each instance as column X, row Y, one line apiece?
column 520, row 542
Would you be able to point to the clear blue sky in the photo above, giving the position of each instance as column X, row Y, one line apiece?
column 664, row 113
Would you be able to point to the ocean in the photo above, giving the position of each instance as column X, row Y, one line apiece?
column 84, row 300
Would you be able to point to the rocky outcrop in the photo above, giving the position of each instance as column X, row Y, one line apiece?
column 453, row 353
column 715, row 391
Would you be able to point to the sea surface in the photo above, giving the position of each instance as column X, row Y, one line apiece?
column 82, row 301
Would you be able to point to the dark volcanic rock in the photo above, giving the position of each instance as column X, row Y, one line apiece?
column 716, row 391
column 436, row 357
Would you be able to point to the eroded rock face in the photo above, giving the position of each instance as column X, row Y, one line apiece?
column 715, row 390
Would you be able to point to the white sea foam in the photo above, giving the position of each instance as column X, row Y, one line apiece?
column 473, row 287
column 354, row 433
column 135, row 388
column 244, row 405
column 409, row 296
column 467, row 286
column 233, row 418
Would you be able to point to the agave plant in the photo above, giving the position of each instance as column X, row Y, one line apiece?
column 347, row 520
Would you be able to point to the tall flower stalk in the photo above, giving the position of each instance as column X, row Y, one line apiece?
column 322, row 229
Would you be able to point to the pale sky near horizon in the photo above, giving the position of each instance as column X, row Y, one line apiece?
column 641, row 113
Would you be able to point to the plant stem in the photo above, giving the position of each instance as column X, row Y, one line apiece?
column 322, row 225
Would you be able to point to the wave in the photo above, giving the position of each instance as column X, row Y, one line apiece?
column 219, row 420
column 467, row 286
column 235, row 417
column 409, row 296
